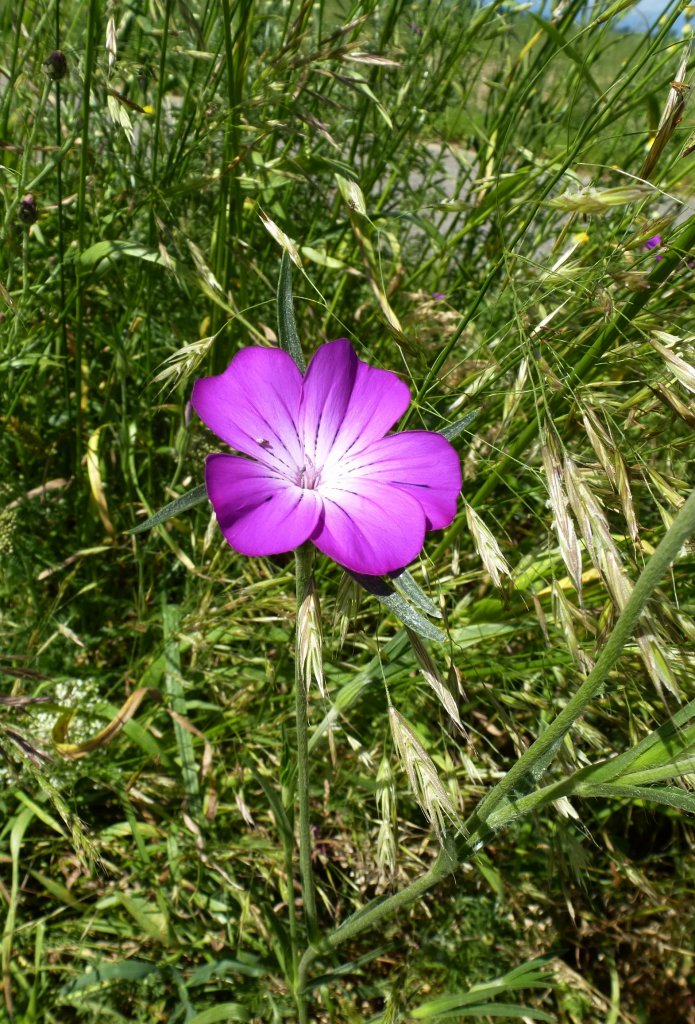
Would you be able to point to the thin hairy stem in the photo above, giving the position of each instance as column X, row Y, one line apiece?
column 304, row 557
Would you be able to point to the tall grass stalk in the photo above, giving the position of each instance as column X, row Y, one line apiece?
column 93, row 13
column 62, row 341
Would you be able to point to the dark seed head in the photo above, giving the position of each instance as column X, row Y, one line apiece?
column 28, row 213
column 56, row 66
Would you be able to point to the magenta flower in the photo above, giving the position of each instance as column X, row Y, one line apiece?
column 319, row 465
column 654, row 243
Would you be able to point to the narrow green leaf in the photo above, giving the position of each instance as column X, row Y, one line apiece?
column 41, row 813
column 279, row 813
column 221, row 968
column 487, row 1010
column 125, row 970
column 221, row 1014
column 530, row 979
column 490, row 874
column 148, row 917
column 351, row 967
column 507, row 1010
column 406, row 614
column 182, row 504
column 663, row 746
column 279, row 940
column 670, row 770
column 407, row 585
column 478, row 632
column 287, row 327
column 58, row 891
column 454, row 429
column 528, row 975
column 670, row 796
column 110, row 250
column 519, row 976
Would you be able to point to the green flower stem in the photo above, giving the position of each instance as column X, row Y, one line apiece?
column 291, row 911
column 444, row 865
column 490, row 814
column 304, row 557
column 379, row 909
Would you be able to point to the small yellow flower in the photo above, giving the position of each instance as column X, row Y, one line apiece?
column 580, row 238
column 148, row 109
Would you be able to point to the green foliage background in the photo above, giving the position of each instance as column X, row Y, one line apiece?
column 465, row 190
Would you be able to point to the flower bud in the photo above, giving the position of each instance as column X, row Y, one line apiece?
column 56, row 66
column 28, row 213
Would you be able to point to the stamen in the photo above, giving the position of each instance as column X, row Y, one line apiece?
column 308, row 476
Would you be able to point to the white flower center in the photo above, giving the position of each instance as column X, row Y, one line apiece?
column 308, row 476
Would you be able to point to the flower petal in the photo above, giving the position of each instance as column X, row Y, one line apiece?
column 259, row 512
column 420, row 462
column 373, row 530
column 346, row 403
column 254, row 406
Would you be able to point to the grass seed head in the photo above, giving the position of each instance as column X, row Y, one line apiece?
column 309, row 639
column 347, row 605
column 434, row 678
column 592, row 522
column 562, row 614
column 435, row 803
column 682, row 369
column 600, row 200
column 562, row 522
column 111, row 41
column 656, row 660
column 487, row 547
column 8, row 523
column 601, row 442
column 386, row 843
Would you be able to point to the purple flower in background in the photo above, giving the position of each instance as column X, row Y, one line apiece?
column 320, row 467
column 653, row 243
column 438, row 296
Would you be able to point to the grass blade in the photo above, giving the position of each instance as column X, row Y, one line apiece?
column 288, row 336
column 182, row 504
